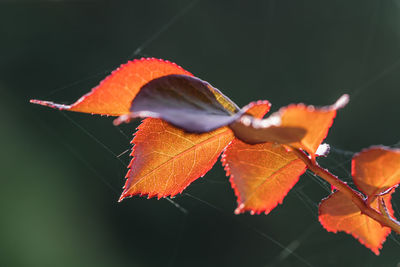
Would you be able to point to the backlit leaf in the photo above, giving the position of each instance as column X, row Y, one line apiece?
column 113, row 96
column 338, row 213
column 184, row 101
column 262, row 174
column 377, row 169
column 167, row 159
column 299, row 126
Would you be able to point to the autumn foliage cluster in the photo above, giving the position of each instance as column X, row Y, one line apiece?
column 189, row 124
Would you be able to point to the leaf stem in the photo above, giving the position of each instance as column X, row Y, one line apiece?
column 350, row 193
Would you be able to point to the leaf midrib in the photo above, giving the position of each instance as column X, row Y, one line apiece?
column 143, row 177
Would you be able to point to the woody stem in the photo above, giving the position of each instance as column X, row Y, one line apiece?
column 350, row 193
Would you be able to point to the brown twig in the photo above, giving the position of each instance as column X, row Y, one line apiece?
column 350, row 193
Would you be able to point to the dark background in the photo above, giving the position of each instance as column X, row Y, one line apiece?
column 60, row 177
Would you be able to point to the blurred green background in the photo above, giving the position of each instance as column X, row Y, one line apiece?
column 60, row 177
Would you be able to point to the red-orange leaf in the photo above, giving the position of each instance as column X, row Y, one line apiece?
column 338, row 213
column 113, row 96
column 377, row 169
column 167, row 159
column 299, row 126
column 261, row 174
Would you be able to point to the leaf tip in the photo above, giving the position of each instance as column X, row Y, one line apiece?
column 341, row 102
column 49, row 104
column 122, row 197
column 239, row 209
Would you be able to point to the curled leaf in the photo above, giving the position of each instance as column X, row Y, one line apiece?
column 299, row 126
column 184, row 101
column 113, row 96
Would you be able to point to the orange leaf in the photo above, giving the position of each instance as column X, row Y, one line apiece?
column 113, row 96
column 338, row 213
column 261, row 175
column 167, row 159
column 376, row 170
column 299, row 126
column 316, row 121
